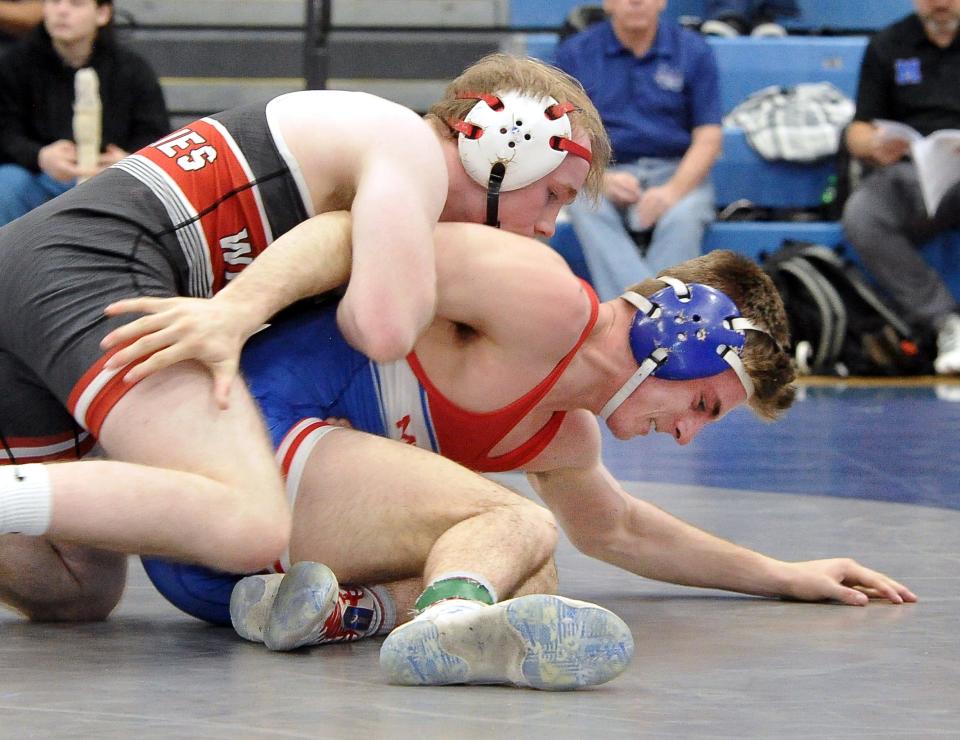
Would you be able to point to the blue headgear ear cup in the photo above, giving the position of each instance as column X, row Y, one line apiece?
column 682, row 332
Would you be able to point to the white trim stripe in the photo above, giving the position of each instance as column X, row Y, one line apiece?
column 298, row 462
column 50, row 450
column 185, row 219
column 90, row 393
column 242, row 160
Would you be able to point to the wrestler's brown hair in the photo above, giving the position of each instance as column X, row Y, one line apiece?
column 767, row 360
column 499, row 73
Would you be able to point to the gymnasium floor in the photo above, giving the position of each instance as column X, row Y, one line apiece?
column 869, row 472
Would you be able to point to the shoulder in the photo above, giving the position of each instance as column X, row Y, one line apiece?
column 693, row 46
column 591, row 38
column 890, row 41
column 351, row 110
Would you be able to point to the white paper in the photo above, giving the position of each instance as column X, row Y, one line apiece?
column 937, row 158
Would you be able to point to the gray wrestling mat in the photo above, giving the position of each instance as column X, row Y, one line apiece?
column 707, row 664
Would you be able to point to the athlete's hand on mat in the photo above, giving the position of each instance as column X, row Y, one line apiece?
column 844, row 580
column 208, row 330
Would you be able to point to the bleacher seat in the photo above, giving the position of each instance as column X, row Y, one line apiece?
column 830, row 16
column 747, row 64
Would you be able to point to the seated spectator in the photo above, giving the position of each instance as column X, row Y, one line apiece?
column 909, row 74
column 731, row 18
column 38, row 158
column 655, row 85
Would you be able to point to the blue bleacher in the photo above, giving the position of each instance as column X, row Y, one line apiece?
column 747, row 65
column 835, row 16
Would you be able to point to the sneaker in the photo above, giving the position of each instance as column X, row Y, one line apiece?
column 768, row 31
column 948, row 347
column 723, row 29
column 538, row 641
column 250, row 604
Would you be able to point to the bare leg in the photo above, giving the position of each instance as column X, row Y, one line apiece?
column 376, row 511
column 198, row 484
column 51, row 581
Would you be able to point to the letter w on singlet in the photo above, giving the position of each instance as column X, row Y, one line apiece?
column 237, row 252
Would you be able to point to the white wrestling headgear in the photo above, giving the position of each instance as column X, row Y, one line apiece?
column 510, row 140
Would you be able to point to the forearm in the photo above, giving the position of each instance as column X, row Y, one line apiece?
column 310, row 259
column 657, row 545
column 698, row 160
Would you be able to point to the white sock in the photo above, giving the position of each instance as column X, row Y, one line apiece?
column 388, row 614
column 26, row 501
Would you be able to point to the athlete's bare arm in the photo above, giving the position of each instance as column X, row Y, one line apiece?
column 356, row 152
column 214, row 330
column 605, row 522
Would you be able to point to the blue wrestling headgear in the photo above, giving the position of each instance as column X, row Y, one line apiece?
column 682, row 332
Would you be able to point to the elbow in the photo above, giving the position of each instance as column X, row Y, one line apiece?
column 383, row 338
column 384, row 332
column 387, row 345
column 594, row 544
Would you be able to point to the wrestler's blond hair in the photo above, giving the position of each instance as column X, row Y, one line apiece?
column 767, row 360
column 499, row 73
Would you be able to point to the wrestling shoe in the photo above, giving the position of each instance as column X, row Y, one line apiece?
column 538, row 641
column 306, row 600
column 250, row 604
column 948, row 347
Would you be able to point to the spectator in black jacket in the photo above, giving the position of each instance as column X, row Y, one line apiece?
column 38, row 158
column 909, row 74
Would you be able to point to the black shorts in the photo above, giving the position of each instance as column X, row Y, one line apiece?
column 181, row 217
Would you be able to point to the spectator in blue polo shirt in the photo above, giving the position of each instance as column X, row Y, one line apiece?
column 655, row 85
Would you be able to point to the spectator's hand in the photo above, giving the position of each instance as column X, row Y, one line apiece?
column 621, row 188
column 111, row 155
column 59, row 160
column 209, row 330
column 844, row 580
column 885, row 151
column 654, row 203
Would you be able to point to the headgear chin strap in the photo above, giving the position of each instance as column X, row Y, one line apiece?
column 510, row 140
column 682, row 332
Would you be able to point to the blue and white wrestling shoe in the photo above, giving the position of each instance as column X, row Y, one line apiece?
column 538, row 641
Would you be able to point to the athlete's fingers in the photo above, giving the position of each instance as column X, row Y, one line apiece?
column 146, row 345
column 139, row 328
column 156, row 362
column 884, row 587
column 143, row 304
column 850, row 596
